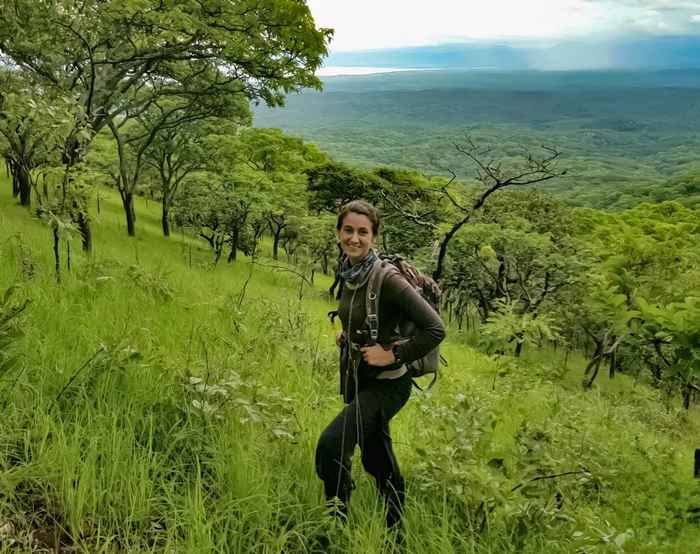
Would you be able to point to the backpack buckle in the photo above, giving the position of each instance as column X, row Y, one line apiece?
column 373, row 324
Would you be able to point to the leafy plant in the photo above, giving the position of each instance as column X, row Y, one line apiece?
column 506, row 328
column 11, row 311
column 251, row 403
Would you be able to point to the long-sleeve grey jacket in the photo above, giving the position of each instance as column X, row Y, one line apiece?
column 398, row 300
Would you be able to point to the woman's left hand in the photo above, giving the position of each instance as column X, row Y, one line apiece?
column 377, row 356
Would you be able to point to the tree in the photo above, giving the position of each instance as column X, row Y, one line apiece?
column 639, row 308
column 115, row 58
column 605, row 315
column 177, row 152
column 218, row 208
column 135, row 134
column 411, row 212
column 316, row 234
column 674, row 332
column 508, row 324
column 514, row 260
column 282, row 161
column 493, row 176
column 18, row 127
column 31, row 126
column 333, row 184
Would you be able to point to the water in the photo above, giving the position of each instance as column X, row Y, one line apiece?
column 332, row 71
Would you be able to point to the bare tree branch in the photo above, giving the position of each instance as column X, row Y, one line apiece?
column 494, row 177
column 284, row 269
column 416, row 218
column 583, row 471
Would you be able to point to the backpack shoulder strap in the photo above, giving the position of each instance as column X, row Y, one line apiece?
column 430, row 386
column 374, row 289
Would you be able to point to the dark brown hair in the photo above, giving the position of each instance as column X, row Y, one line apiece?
column 361, row 207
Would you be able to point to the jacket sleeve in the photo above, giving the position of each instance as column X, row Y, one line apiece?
column 430, row 330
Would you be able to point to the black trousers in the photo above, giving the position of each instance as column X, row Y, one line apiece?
column 365, row 422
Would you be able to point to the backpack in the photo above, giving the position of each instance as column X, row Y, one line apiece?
column 426, row 287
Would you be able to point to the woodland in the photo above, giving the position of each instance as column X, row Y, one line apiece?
column 626, row 137
column 167, row 237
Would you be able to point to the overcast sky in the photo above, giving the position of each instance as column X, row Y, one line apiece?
column 369, row 24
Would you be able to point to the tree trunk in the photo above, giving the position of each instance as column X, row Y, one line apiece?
column 597, row 353
column 444, row 243
column 686, row 397
column 12, row 172
column 133, row 209
column 209, row 239
column 596, row 367
column 234, row 244
column 276, row 243
column 128, row 203
column 258, row 230
column 218, row 248
column 81, row 218
column 10, row 165
column 79, row 214
column 613, row 364
column 165, row 221
column 518, row 349
column 56, row 255
column 24, row 185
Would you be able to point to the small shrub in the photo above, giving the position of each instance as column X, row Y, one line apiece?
column 153, row 283
column 250, row 402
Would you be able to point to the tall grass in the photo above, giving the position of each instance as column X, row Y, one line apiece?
column 162, row 405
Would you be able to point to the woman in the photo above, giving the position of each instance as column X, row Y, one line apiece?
column 376, row 383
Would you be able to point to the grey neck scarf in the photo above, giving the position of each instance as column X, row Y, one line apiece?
column 356, row 275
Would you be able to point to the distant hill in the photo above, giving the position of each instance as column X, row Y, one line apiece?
column 679, row 52
column 626, row 136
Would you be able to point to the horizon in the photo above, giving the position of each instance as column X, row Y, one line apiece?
column 623, row 52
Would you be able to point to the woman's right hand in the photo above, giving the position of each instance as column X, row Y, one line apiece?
column 339, row 338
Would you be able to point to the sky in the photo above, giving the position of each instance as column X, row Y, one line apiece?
column 376, row 24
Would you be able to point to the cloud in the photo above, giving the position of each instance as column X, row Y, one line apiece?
column 378, row 24
column 668, row 17
column 673, row 5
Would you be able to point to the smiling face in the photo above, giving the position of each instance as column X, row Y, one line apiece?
column 355, row 236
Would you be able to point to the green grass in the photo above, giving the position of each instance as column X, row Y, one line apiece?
column 154, row 407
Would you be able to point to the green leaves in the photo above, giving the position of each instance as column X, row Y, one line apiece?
column 674, row 332
column 108, row 50
column 249, row 402
column 506, row 326
column 11, row 311
column 642, row 286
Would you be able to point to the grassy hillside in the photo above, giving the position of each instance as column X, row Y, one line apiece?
column 158, row 404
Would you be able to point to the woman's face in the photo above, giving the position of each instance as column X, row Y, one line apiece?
column 356, row 236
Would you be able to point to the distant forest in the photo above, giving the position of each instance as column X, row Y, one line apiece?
column 626, row 137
